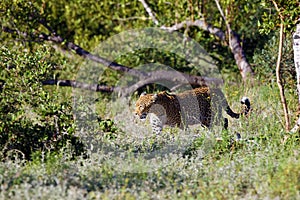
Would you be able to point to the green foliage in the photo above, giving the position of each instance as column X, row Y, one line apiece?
column 265, row 61
column 271, row 19
column 263, row 164
column 108, row 126
column 32, row 118
column 37, row 122
column 88, row 27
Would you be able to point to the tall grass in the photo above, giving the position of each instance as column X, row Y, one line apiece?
column 264, row 164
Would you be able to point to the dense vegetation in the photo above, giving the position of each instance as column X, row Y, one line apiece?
column 68, row 143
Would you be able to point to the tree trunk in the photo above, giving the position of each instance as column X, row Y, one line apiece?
column 279, row 81
column 296, row 46
column 236, row 48
column 234, row 43
column 239, row 56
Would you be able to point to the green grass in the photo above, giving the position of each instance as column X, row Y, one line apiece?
column 263, row 165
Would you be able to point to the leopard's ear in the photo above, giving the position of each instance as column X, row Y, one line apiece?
column 154, row 97
column 143, row 94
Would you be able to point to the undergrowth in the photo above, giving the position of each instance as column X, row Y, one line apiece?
column 263, row 164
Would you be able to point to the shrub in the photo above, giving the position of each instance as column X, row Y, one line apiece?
column 32, row 118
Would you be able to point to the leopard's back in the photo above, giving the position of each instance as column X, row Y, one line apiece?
column 197, row 106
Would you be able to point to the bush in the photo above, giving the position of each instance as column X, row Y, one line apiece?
column 32, row 118
column 265, row 61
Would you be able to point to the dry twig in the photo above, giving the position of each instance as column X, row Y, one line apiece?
column 278, row 75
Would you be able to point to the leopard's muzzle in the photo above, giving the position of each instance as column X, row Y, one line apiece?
column 143, row 116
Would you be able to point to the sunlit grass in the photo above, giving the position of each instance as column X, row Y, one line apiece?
column 264, row 164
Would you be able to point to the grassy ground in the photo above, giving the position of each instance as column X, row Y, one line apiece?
column 263, row 165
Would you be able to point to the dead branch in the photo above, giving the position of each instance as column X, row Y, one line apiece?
column 149, row 11
column 144, row 77
column 177, row 79
column 76, row 84
column 279, row 81
column 81, row 52
column 224, row 18
column 235, row 46
column 278, row 75
column 296, row 127
column 197, row 23
column 234, row 42
column 161, row 76
column 54, row 37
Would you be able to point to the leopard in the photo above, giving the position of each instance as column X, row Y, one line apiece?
column 202, row 105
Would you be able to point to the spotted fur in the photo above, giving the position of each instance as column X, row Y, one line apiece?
column 198, row 106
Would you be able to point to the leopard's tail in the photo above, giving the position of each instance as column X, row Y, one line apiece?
column 246, row 105
column 245, row 101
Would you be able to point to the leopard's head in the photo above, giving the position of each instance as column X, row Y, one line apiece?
column 143, row 104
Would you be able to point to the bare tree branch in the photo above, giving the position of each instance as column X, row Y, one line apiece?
column 279, row 81
column 54, row 37
column 144, row 77
column 234, row 42
column 76, row 84
column 149, row 11
column 197, row 23
column 80, row 51
column 224, row 18
column 296, row 127
column 175, row 77
column 235, row 46
column 278, row 75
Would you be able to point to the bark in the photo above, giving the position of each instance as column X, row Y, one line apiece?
column 278, row 74
column 76, row 84
column 177, row 78
column 149, row 11
column 236, row 48
column 235, row 43
column 296, row 46
column 240, row 57
column 200, row 24
column 279, row 82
